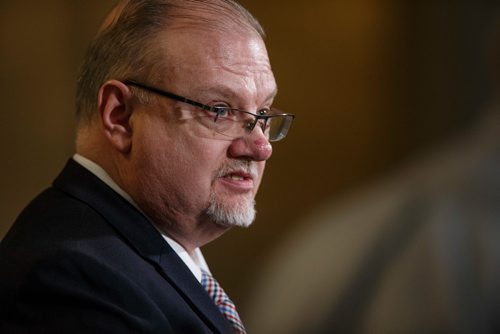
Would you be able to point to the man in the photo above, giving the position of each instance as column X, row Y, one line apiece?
column 174, row 128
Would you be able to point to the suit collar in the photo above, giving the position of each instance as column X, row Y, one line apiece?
column 142, row 236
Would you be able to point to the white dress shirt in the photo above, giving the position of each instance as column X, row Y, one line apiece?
column 195, row 263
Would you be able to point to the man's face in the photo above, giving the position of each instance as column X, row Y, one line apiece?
column 182, row 174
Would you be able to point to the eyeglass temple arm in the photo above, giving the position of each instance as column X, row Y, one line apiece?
column 169, row 95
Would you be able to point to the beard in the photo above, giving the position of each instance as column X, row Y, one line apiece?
column 233, row 213
column 241, row 214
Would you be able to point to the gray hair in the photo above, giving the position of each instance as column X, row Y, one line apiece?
column 124, row 45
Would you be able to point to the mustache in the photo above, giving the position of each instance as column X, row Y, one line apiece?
column 233, row 166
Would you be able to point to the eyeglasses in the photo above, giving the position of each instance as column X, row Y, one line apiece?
column 231, row 122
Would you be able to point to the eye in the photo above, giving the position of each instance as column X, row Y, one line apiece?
column 221, row 110
column 263, row 111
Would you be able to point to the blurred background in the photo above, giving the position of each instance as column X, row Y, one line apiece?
column 374, row 84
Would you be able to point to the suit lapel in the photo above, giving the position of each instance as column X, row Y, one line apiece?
column 143, row 237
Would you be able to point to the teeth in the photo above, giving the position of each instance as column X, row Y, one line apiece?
column 236, row 177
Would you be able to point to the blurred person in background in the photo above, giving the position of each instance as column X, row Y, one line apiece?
column 418, row 252
column 175, row 124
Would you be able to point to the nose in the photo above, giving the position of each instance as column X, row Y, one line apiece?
column 253, row 146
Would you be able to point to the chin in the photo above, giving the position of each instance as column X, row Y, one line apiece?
column 240, row 214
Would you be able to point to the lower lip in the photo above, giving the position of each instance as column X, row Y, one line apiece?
column 244, row 185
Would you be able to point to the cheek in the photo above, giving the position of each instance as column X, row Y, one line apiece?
column 155, row 157
column 170, row 157
column 190, row 163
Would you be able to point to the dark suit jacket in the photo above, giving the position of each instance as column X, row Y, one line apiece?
column 81, row 259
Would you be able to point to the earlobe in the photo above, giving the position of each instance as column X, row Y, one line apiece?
column 115, row 108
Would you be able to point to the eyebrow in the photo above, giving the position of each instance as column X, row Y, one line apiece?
column 229, row 94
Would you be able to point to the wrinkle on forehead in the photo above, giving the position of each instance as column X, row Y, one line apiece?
column 211, row 48
column 238, row 67
column 235, row 82
column 238, row 74
column 254, row 48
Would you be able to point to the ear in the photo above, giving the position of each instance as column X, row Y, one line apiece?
column 115, row 108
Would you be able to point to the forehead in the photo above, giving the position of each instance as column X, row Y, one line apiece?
column 198, row 58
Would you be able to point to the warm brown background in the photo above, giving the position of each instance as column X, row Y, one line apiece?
column 372, row 83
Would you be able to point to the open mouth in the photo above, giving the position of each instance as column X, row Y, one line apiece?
column 239, row 181
column 239, row 176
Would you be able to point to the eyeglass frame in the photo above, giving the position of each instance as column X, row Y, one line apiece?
column 215, row 109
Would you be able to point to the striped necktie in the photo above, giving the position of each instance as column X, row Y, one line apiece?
column 225, row 305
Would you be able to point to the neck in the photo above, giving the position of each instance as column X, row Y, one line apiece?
column 190, row 234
